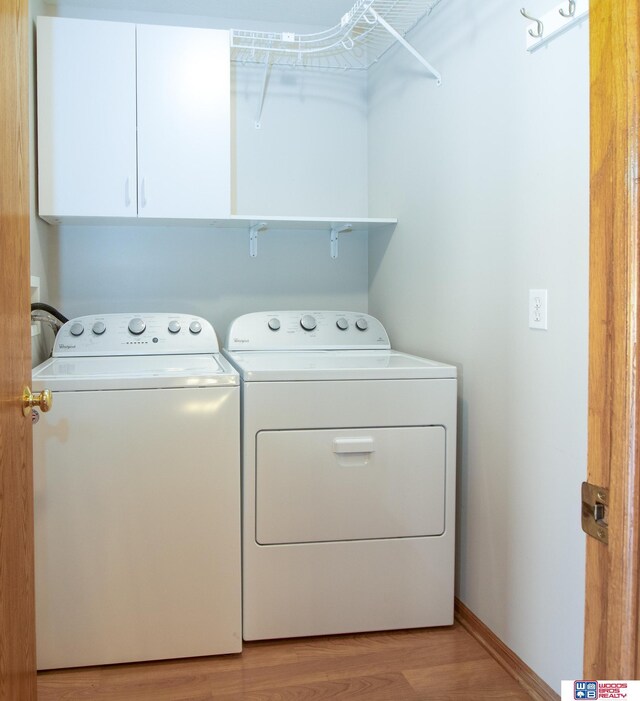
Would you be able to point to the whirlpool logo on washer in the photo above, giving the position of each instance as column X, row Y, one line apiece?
column 67, row 346
column 241, row 340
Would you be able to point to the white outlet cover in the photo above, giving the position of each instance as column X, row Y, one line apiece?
column 538, row 317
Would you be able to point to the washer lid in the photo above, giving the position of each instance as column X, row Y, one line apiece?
column 133, row 372
column 265, row 366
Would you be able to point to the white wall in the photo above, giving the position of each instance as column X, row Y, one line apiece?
column 40, row 240
column 309, row 158
column 488, row 175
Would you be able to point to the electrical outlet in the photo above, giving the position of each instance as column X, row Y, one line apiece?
column 538, row 309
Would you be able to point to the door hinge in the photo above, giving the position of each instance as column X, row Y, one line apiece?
column 595, row 511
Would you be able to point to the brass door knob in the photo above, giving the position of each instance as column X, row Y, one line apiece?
column 42, row 400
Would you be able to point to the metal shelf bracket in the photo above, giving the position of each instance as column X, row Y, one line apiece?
column 400, row 39
column 265, row 80
column 335, row 230
column 253, row 237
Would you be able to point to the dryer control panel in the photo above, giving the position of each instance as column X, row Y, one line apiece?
column 135, row 334
column 306, row 330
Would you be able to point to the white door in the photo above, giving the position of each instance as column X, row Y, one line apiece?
column 86, row 118
column 17, row 621
column 349, row 484
column 183, row 122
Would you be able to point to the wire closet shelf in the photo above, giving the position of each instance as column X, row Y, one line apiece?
column 361, row 37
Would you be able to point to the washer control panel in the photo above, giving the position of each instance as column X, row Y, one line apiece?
column 135, row 334
column 306, row 330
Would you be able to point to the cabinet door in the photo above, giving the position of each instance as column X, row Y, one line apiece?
column 183, row 122
column 86, row 118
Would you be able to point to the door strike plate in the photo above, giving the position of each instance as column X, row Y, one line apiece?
column 595, row 511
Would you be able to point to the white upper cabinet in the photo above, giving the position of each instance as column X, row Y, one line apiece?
column 183, row 122
column 132, row 120
column 86, row 74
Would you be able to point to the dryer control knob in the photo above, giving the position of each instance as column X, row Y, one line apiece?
column 195, row 327
column 77, row 329
column 174, row 326
column 308, row 322
column 362, row 324
column 274, row 324
column 342, row 324
column 99, row 328
column 137, row 326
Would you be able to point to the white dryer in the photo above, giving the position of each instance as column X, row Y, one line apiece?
column 348, row 465
column 137, row 493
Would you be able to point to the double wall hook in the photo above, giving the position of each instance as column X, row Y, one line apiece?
column 540, row 27
column 572, row 9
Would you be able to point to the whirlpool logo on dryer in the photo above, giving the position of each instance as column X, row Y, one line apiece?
column 67, row 346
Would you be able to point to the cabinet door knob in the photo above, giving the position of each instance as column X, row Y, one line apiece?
column 127, row 193
column 143, row 193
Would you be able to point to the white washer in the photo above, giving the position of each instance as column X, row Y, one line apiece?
column 348, row 477
column 137, row 493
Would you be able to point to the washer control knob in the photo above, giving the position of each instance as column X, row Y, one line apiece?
column 308, row 322
column 77, row 329
column 137, row 326
column 174, row 326
column 195, row 327
column 274, row 324
column 342, row 324
column 362, row 324
column 99, row 328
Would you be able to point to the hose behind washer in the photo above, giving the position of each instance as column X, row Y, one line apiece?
column 42, row 307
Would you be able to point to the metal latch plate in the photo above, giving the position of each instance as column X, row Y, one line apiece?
column 595, row 511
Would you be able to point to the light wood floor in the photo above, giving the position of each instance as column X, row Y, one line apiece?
column 437, row 664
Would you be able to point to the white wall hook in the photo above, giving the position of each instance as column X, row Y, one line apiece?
column 539, row 30
column 555, row 22
column 572, row 9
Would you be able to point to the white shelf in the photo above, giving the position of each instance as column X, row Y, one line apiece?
column 356, row 41
column 253, row 224
column 361, row 37
column 235, row 221
column 240, row 221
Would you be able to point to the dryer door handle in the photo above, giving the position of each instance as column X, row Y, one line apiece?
column 362, row 444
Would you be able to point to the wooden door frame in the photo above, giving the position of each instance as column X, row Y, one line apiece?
column 612, row 583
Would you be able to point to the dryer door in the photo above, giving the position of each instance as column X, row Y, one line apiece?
column 349, row 484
